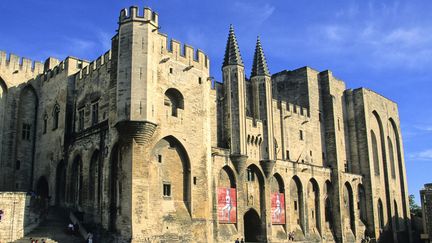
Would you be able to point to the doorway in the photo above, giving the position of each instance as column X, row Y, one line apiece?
column 252, row 226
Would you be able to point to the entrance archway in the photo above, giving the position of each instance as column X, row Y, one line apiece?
column 252, row 226
column 42, row 188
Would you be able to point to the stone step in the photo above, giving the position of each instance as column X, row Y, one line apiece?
column 52, row 230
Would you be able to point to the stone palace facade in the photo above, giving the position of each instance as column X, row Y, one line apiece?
column 146, row 145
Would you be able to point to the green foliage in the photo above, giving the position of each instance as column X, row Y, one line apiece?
column 414, row 208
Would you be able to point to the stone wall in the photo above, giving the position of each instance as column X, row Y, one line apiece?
column 21, row 214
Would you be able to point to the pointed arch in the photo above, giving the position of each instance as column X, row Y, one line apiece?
column 174, row 159
column 296, row 203
column 256, row 181
column 391, row 157
column 380, row 215
column 375, row 155
column 401, row 168
column 349, row 206
column 227, row 177
column 26, row 136
column 313, row 205
column 56, row 116
column 174, row 99
column 253, row 229
column 384, row 162
column 277, row 184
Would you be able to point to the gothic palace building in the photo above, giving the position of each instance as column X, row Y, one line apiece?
column 145, row 144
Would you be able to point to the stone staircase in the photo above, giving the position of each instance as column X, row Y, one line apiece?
column 53, row 230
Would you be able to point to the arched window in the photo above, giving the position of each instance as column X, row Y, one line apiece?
column 56, row 114
column 45, row 123
column 313, row 203
column 375, row 153
column 348, row 207
column 391, row 158
column 174, row 99
column 380, row 215
column 296, row 202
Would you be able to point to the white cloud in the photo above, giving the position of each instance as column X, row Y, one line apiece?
column 256, row 12
column 427, row 128
column 403, row 47
column 425, row 155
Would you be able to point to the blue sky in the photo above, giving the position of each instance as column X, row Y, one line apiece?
column 382, row 45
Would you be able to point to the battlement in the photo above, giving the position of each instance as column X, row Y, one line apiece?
column 186, row 53
column 101, row 61
column 254, row 129
column 133, row 14
column 51, row 73
column 70, row 64
column 292, row 108
column 20, row 64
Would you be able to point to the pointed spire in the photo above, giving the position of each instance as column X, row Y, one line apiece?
column 259, row 67
column 232, row 51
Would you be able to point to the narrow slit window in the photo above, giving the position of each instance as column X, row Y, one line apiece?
column 167, row 190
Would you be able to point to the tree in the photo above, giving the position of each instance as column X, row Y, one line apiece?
column 414, row 208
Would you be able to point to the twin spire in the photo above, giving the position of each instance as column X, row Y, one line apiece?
column 232, row 51
column 233, row 56
column 259, row 67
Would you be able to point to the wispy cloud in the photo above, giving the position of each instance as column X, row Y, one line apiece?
column 402, row 47
column 425, row 155
column 258, row 12
column 426, row 128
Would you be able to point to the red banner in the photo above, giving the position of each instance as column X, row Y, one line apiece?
column 227, row 205
column 278, row 208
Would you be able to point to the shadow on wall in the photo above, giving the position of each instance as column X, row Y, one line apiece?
column 417, row 228
column 386, row 232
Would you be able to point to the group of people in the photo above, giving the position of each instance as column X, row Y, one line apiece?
column 291, row 235
column 73, row 229
column 241, row 241
column 37, row 241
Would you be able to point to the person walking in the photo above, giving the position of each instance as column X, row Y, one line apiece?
column 89, row 237
column 237, row 241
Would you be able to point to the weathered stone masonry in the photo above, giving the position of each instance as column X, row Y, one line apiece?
column 140, row 141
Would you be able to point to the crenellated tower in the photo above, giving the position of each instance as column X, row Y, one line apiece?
column 136, row 73
column 262, row 104
column 235, row 101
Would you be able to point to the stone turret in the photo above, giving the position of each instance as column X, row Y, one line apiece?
column 262, row 100
column 235, row 101
column 135, row 77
